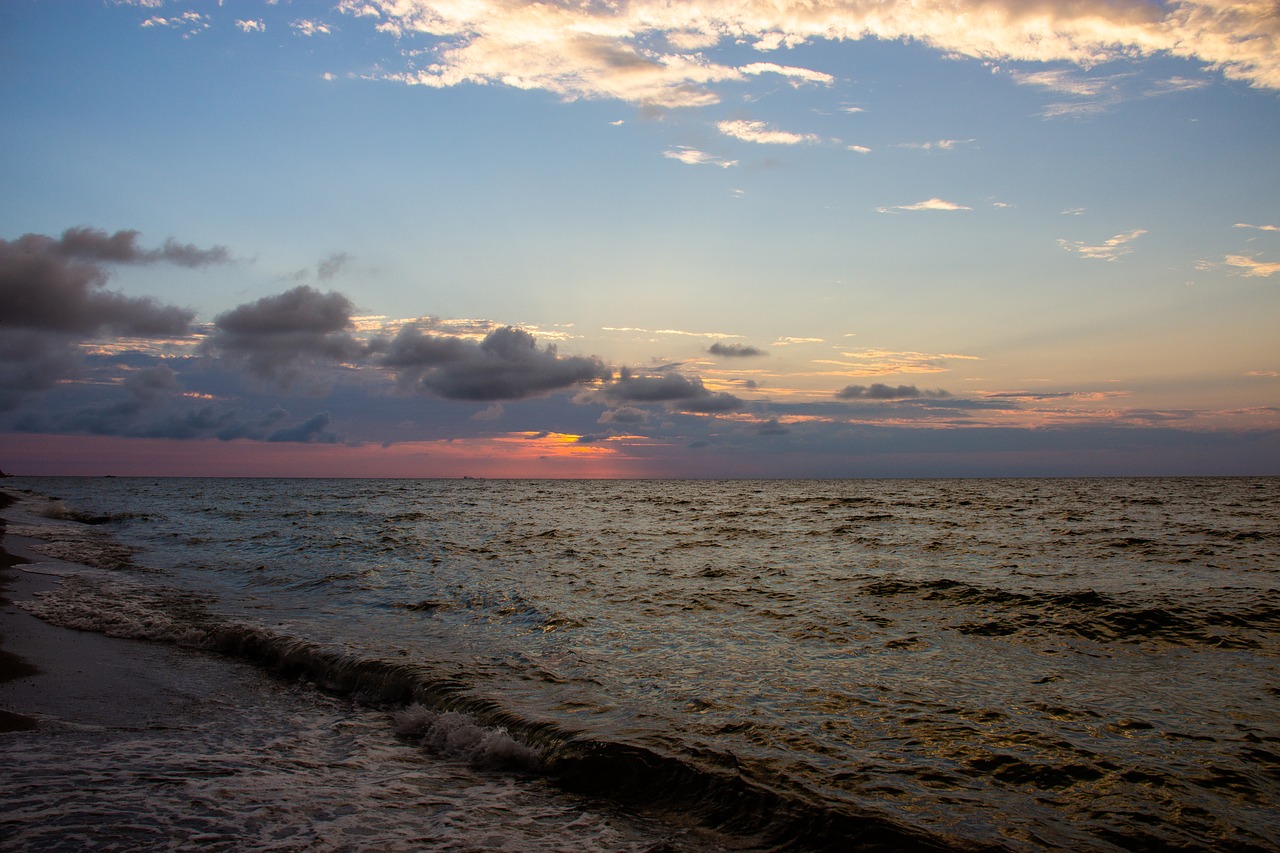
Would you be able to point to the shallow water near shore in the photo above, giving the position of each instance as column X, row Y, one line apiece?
column 1016, row 664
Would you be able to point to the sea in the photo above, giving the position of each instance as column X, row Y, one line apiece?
column 539, row 665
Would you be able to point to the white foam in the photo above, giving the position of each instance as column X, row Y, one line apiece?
column 459, row 737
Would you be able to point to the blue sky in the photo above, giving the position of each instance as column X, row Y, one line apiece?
column 631, row 239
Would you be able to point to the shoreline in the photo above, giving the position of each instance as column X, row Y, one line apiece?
column 51, row 676
column 13, row 666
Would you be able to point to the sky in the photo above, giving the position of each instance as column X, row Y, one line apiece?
column 600, row 238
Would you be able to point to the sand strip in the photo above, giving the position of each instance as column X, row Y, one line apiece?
column 51, row 675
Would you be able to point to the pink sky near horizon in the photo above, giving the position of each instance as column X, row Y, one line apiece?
column 541, row 457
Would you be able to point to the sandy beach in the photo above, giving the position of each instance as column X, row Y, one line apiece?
column 52, row 676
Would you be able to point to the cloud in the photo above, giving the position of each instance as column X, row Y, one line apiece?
column 1251, row 267
column 1118, row 246
column 940, row 144
column 191, row 23
column 772, row 427
column 1257, row 227
column 628, row 415
column 96, row 245
column 1039, row 396
column 680, row 393
column 1176, row 84
column 679, row 332
column 653, row 52
column 761, row 133
column 506, row 365
column 276, row 337
column 251, row 26
column 877, row 362
column 788, row 341
column 734, row 350
column 878, row 391
column 1062, row 81
column 32, row 361
column 1092, row 95
column 56, row 285
column 804, row 75
column 302, row 310
column 312, row 429
column 333, row 265
column 53, row 297
column 305, row 27
column 930, row 204
column 694, row 157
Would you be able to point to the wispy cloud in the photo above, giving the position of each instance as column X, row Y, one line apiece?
column 789, row 341
column 1258, row 227
column 189, row 23
column 1063, row 81
column 938, row 145
column 929, row 204
column 762, row 133
column 1251, row 267
column 694, row 157
column 1109, row 250
column 879, row 391
column 307, row 27
column 1173, row 85
column 251, row 26
column 879, row 362
column 799, row 75
column 1089, row 95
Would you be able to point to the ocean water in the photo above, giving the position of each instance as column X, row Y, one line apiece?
column 1085, row 664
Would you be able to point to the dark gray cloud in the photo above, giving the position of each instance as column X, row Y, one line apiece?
column 310, row 430
column 97, row 246
column 506, row 365
column 300, row 310
column 278, row 337
column 32, row 361
column 880, row 391
column 678, row 392
column 734, row 350
column 47, row 287
column 151, row 383
column 629, row 415
column 53, row 297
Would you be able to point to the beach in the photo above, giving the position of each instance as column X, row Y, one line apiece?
column 113, row 743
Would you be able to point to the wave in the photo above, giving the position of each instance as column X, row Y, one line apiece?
column 447, row 717
column 1241, row 623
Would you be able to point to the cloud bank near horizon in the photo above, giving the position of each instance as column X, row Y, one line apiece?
column 300, row 367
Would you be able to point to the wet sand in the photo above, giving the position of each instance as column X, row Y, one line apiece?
column 13, row 666
column 51, row 675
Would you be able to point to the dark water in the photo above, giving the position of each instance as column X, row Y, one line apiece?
column 1017, row 664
